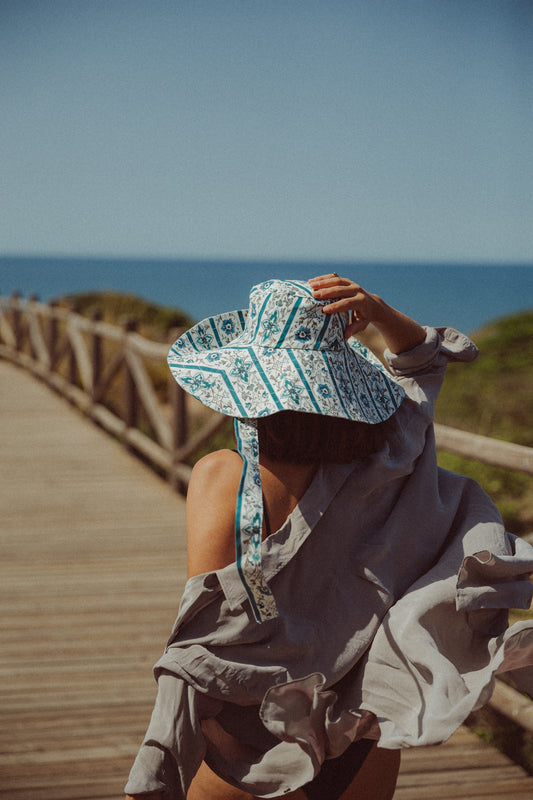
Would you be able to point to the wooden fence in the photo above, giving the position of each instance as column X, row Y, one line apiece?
column 115, row 376
column 81, row 358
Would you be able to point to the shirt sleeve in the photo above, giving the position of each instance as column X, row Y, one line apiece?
column 174, row 745
column 440, row 346
column 421, row 370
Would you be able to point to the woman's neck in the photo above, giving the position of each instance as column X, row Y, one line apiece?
column 284, row 484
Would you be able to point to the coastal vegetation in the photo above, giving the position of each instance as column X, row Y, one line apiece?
column 154, row 321
column 493, row 397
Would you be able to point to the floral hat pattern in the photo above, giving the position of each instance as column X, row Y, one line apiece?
column 283, row 354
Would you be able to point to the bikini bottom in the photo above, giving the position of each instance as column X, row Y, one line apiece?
column 337, row 773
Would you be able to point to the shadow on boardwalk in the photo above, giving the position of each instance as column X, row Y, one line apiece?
column 92, row 548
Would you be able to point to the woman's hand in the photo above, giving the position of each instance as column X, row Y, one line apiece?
column 347, row 296
column 401, row 333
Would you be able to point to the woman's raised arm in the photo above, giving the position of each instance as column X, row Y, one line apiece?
column 400, row 332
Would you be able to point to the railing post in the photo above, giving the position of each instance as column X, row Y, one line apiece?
column 96, row 354
column 15, row 315
column 179, row 422
column 130, row 392
column 33, row 299
column 72, row 367
column 52, row 335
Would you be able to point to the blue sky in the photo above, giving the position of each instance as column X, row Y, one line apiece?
column 385, row 129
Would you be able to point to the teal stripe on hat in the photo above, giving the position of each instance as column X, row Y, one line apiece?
column 215, row 331
column 304, row 381
column 323, row 330
column 231, row 390
column 259, row 316
column 369, row 391
column 259, row 368
column 388, row 380
column 395, row 399
column 301, row 286
column 289, row 322
column 242, row 411
column 334, row 382
column 192, row 342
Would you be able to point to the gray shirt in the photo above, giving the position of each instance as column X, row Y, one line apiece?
column 392, row 578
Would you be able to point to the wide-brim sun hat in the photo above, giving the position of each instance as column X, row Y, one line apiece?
column 282, row 354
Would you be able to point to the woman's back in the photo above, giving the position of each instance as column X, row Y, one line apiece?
column 211, row 502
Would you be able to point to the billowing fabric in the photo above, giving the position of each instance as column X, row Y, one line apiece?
column 392, row 579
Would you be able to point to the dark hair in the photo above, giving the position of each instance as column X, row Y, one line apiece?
column 298, row 437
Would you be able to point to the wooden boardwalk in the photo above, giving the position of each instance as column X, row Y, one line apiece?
column 92, row 559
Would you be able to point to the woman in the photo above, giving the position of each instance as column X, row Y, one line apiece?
column 343, row 591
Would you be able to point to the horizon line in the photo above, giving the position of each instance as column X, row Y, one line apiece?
column 211, row 259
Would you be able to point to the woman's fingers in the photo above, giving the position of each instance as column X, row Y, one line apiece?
column 354, row 302
column 345, row 296
column 355, row 327
column 331, row 276
column 329, row 281
column 329, row 287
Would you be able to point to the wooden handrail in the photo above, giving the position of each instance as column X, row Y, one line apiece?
column 41, row 336
column 482, row 448
column 513, row 705
column 30, row 336
column 81, row 357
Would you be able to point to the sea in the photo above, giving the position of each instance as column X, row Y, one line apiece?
column 464, row 296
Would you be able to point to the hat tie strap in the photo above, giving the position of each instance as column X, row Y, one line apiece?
column 249, row 523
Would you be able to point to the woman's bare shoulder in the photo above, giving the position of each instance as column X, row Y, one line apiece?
column 217, row 470
column 211, row 499
column 219, row 458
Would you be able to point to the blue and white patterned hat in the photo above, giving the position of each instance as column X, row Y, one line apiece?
column 283, row 354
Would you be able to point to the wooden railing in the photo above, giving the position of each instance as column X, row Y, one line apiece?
column 496, row 452
column 110, row 373
column 81, row 357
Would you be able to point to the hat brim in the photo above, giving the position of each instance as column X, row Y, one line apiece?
column 212, row 363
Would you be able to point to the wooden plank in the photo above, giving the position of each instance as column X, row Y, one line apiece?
column 148, row 398
column 81, row 353
column 92, row 563
column 465, row 768
column 483, row 448
column 6, row 331
column 513, row 704
column 36, row 335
